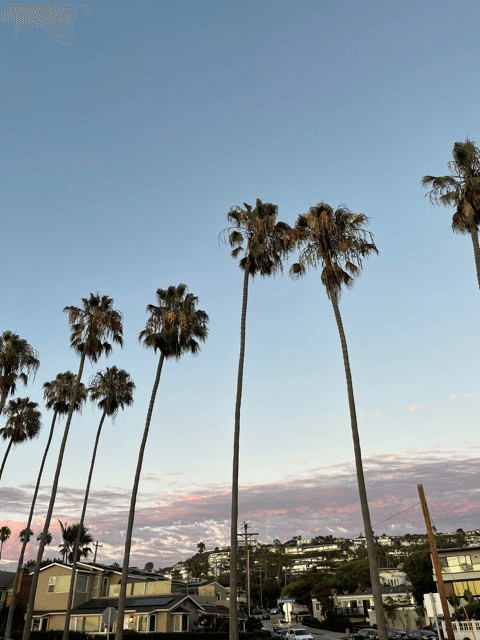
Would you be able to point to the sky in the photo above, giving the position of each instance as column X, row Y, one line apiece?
column 125, row 141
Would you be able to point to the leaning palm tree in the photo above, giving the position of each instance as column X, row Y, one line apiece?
column 112, row 389
column 267, row 242
column 174, row 328
column 23, row 424
column 461, row 189
column 70, row 534
column 5, row 533
column 92, row 325
column 335, row 240
column 18, row 360
column 57, row 395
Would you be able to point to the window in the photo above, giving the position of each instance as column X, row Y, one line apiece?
column 219, row 596
column 96, row 581
column 105, row 586
column 141, row 623
column 151, row 623
column 317, row 606
column 82, row 584
column 139, row 588
column 91, row 623
column 58, row 584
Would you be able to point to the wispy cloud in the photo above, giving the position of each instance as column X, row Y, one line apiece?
column 453, row 397
column 414, row 407
column 469, row 395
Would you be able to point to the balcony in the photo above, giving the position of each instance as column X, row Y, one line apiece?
column 351, row 611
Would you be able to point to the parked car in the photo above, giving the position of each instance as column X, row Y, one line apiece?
column 265, row 616
column 367, row 633
column 396, row 634
column 422, row 634
column 275, row 611
column 256, row 611
column 298, row 634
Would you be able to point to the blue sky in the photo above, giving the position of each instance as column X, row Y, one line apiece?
column 120, row 158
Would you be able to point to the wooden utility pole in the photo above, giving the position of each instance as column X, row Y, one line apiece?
column 96, row 548
column 436, row 564
column 246, row 536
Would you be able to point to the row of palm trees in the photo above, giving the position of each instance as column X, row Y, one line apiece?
column 334, row 240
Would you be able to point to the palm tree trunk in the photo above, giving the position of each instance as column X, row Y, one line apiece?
column 6, row 456
column 372, row 558
column 133, row 500
column 3, row 400
column 8, row 630
column 233, row 624
column 476, row 251
column 41, row 547
column 66, row 629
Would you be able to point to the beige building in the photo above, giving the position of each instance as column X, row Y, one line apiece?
column 153, row 603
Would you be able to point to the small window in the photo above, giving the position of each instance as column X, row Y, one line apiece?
column 51, row 585
column 96, row 581
column 82, row 584
column 219, row 596
column 151, row 624
column 44, row 624
column 317, row 606
column 105, row 586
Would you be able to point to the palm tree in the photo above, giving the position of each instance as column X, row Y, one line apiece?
column 91, row 327
column 201, row 547
column 112, row 390
column 174, row 328
column 267, row 243
column 17, row 362
column 22, row 536
column 5, row 533
column 57, row 394
column 23, row 423
column 336, row 240
column 70, row 534
column 462, row 190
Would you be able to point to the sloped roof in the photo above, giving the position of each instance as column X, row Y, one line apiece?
column 138, row 604
column 6, row 578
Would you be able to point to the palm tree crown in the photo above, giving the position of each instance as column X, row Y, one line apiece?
column 69, row 537
column 266, row 241
column 113, row 388
column 175, row 326
column 58, row 393
column 461, row 188
column 335, row 240
column 23, row 534
column 5, row 533
column 23, row 421
column 17, row 362
column 92, row 325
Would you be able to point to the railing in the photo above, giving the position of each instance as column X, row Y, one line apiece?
column 351, row 611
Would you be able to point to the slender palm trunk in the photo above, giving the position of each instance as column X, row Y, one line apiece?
column 6, row 456
column 41, row 547
column 372, row 558
column 133, row 500
column 3, row 400
column 476, row 252
column 8, row 630
column 233, row 625
column 68, row 612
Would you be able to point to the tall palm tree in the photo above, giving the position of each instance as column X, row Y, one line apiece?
column 22, row 536
column 70, row 533
column 92, row 325
column 174, row 328
column 335, row 240
column 112, row 389
column 5, row 533
column 267, row 242
column 18, row 360
column 57, row 395
column 23, row 423
column 461, row 189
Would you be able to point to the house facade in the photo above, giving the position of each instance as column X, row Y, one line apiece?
column 460, row 570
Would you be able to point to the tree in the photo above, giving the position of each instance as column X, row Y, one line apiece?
column 461, row 189
column 174, row 328
column 201, row 547
column 5, row 533
column 419, row 570
column 23, row 423
column 390, row 609
column 350, row 575
column 112, row 390
column 92, row 325
column 56, row 394
column 18, row 360
column 267, row 242
column 336, row 240
column 23, row 535
column 69, row 537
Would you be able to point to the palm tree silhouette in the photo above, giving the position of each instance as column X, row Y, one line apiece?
column 5, row 533
column 335, row 240
column 91, row 326
column 461, row 189
column 18, row 360
column 174, row 328
column 57, row 395
column 23, row 423
column 112, row 390
column 267, row 243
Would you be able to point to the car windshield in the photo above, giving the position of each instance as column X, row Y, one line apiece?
column 301, row 632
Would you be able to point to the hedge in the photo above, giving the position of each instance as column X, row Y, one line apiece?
column 133, row 635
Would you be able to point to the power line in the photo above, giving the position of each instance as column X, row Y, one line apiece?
column 394, row 516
